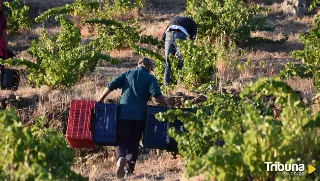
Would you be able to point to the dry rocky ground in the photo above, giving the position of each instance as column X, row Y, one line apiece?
column 98, row 164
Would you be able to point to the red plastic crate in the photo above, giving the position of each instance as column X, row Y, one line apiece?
column 79, row 133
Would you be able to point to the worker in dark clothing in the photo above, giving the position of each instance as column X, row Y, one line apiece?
column 180, row 27
column 138, row 86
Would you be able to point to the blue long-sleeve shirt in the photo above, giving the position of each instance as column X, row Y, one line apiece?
column 137, row 87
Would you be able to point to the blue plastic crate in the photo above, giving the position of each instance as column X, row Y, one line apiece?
column 179, row 126
column 105, row 124
column 156, row 132
column 172, row 144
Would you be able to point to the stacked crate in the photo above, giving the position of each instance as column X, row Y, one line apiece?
column 105, row 124
column 79, row 133
column 91, row 123
column 156, row 132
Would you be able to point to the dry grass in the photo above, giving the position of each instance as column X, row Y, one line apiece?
column 25, row 92
column 154, row 29
column 38, row 6
column 165, row 6
column 181, row 88
column 274, row 56
column 87, row 31
column 56, row 2
column 150, row 166
column 94, row 165
column 227, row 61
column 286, row 26
column 305, row 86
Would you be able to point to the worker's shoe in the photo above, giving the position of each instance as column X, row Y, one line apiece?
column 128, row 171
column 121, row 163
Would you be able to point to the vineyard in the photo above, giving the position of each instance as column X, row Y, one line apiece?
column 250, row 83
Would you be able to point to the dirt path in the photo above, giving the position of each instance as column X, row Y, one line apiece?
column 150, row 166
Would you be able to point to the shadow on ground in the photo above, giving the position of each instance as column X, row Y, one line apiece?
column 285, row 47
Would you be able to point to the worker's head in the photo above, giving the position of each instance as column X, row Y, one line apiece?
column 147, row 63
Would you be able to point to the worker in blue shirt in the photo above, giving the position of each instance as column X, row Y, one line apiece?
column 180, row 27
column 138, row 86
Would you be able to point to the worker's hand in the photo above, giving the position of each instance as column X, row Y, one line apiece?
column 167, row 103
column 168, row 106
column 105, row 93
column 100, row 99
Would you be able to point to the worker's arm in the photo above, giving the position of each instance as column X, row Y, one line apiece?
column 105, row 93
column 154, row 90
column 163, row 101
column 116, row 83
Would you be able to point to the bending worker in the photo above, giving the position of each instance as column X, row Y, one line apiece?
column 180, row 27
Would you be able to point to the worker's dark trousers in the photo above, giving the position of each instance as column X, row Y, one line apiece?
column 172, row 48
column 129, row 133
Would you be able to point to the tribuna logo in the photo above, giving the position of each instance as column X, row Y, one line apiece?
column 277, row 166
